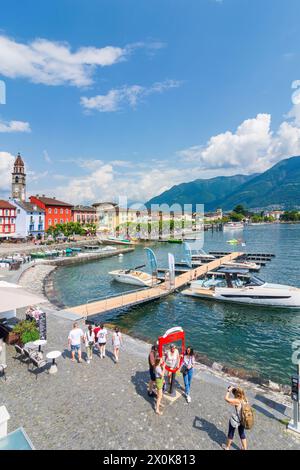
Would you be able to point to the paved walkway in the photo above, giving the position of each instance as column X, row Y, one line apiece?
column 104, row 405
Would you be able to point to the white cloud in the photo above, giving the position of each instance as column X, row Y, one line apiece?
column 253, row 147
column 116, row 98
column 14, row 126
column 54, row 63
column 6, row 165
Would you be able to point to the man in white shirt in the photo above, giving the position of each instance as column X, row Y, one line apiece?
column 75, row 338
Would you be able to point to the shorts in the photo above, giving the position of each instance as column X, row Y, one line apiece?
column 231, row 431
column 159, row 383
column 152, row 374
column 101, row 344
column 75, row 347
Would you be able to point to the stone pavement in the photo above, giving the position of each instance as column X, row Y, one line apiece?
column 103, row 405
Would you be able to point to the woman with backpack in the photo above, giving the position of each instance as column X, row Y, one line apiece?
column 241, row 418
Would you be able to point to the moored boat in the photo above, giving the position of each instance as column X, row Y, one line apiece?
column 134, row 277
column 250, row 290
column 233, row 226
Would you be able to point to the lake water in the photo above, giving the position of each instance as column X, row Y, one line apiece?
column 252, row 338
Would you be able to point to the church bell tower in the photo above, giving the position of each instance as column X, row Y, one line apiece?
column 19, row 179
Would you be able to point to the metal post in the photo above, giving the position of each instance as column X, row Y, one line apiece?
column 294, row 425
column 172, row 391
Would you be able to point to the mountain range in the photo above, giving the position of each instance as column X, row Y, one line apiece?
column 279, row 186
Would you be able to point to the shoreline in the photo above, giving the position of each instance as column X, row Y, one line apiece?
column 215, row 368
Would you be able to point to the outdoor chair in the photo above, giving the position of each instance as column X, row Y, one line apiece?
column 37, row 363
column 3, row 370
column 19, row 351
column 28, row 356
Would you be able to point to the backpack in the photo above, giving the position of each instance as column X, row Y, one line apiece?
column 247, row 416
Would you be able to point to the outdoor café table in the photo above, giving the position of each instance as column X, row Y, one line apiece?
column 53, row 355
column 31, row 345
column 40, row 343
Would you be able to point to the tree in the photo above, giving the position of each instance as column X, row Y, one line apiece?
column 236, row 217
column 240, row 209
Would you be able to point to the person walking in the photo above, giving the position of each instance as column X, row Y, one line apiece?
column 75, row 338
column 96, row 331
column 160, row 368
column 89, row 342
column 117, row 341
column 187, row 370
column 238, row 400
column 102, row 338
column 151, row 360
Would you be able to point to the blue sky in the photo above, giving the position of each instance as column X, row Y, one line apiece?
column 128, row 97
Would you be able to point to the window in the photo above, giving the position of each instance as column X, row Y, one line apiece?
column 55, row 221
column 55, row 211
column 67, row 211
column 61, row 211
column 67, row 220
column 49, row 210
column 61, row 221
column 18, row 211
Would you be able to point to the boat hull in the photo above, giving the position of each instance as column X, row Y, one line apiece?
column 263, row 297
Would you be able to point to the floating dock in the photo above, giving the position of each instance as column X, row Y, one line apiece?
column 131, row 299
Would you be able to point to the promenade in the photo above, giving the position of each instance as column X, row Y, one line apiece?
column 102, row 405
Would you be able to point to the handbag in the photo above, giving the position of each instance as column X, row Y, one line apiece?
column 184, row 369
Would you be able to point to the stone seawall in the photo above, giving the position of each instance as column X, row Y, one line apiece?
column 12, row 249
column 86, row 257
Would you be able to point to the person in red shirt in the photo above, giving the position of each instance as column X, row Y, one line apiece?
column 96, row 331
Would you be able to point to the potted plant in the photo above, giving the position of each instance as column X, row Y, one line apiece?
column 26, row 331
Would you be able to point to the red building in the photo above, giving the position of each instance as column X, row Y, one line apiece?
column 7, row 219
column 56, row 212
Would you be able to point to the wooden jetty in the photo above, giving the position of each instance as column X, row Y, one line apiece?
column 259, row 257
column 130, row 299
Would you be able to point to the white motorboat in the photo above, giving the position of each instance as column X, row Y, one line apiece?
column 242, row 265
column 250, row 290
column 233, row 226
column 134, row 277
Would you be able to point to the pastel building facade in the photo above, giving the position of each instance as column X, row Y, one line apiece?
column 7, row 219
column 84, row 214
column 30, row 219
